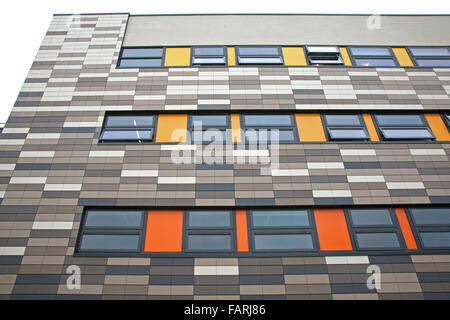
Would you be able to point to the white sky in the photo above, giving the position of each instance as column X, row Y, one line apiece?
column 24, row 23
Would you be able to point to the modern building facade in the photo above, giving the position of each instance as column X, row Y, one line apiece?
column 332, row 181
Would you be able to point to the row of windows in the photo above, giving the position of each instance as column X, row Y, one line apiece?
column 264, row 230
column 273, row 55
column 257, row 128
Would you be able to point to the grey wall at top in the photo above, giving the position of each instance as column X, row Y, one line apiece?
column 175, row 30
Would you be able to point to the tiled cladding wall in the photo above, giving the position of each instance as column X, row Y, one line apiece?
column 51, row 166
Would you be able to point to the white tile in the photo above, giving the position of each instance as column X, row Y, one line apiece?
column 111, row 153
column 348, row 260
column 358, row 152
column 427, row 152
column 176, row 180
column 37, row 154
column 325, row 165
column 7, row 166
column 290, row 172
column 63, row 187
column 12, row 251
column 80, row 124
column 15, row 130
column 216, row 270
column 12, row 142
column 28, row 180
column 405, row 185
column 171, row 147
column 251, row 153
column 43, row 136
column 139, row 173
column 332, row 193
column 52, row 225
column 365, row 178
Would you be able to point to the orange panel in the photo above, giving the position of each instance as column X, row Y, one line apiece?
column 241, row 231
column 164, row 231
column 371, row 127
column 235, row 127
column 171, row 128
column 309, row 126
column 345, row 56
column 438, row 126
column 332, row 230
column 406, row 228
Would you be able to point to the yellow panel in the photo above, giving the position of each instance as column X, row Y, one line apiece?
column 231, row 56
column 171, row 128
column 310, row 127
column 403, row 57
column 294, row 56
column 345, row 56
column 371, row 127
column 235, row 127
column 177, row 57
column 438, row 126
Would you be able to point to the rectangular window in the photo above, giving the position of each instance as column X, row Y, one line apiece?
column 282, row 230
column 268, row 128
column 209, row 56
column 210, row 128
column 446, row 118
column 393, row 127
column 323, row 55
column 141, row 57
column 128, row 128
column 375, row 229
column 111, row 231
column 209, row 231
column 432, row 226
column 259, row 55
column 372, row 57
column 345, row 127
column 430, row 56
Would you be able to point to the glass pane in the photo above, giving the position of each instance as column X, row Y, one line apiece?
column 106, row 218
column 342, row 120
column 269, row 135
column 210, row 135
column 209, row 51
column 399, row 120
column 209, row 242
column 209, row 219
column 267, row 120
column 142, row 53
column 129, row 121
column 110, row 242
column 370, row 51
column 347, row 133
column 435, row 239
column 208, row 61
column 368, row 62
column 283, row 242
column 433, row 62
column 127, row 135
column 258, row 51
column 430, row 52
column 140, row 63
column 281, row 218
column 219, row 121
column 366, row 217
column 260, row 60
column 435, row 216
column 406, row 133
column 322, row 49
column 377, row 240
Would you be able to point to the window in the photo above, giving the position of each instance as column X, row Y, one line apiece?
column 446, row 117
column 209, row 231
column 210, row 128
column 323, row 55
column 111, row 231
column 269, row 128
column 345, row 127
column 141, row 57
column 375, row 229
column 208, row 56
column 430, row 56
column 282, row 230
column 128, row 128
column 372, row 56
column 403, row 127
column 263, row 55
column 432, row 226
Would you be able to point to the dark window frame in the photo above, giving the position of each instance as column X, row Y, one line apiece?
column 163, row 55
column 394, row 228
column 226, row 128
column 280, row 55
column 414, row 58
column 379, row 128
column 418, row 229
column 211, row 231
column 124, row 128
column 279, row 230
column 309, row 57
column 327, row 127
column 446, row 118
column 109, row 230
column 353, row 57
column 292, row 127
column 193, row 56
